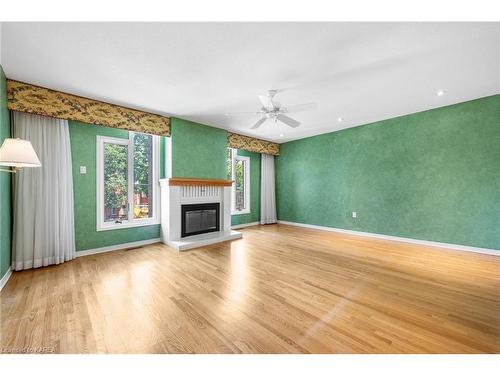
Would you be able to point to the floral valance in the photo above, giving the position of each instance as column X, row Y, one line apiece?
column 24, row 97
column 243, row 142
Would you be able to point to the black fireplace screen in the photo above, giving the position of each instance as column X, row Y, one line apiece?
column 200, row 218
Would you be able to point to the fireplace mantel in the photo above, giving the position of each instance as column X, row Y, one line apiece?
column 191, row 181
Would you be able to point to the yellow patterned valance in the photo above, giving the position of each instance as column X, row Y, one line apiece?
column 24, row 97
column 243, row 142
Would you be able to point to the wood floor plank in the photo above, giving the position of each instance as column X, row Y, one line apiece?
column 280, row 289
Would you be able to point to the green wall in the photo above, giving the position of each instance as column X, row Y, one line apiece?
column 198, row 150
column 254, row 214
column 5, row 193
column 432, row 175
column 83, row 149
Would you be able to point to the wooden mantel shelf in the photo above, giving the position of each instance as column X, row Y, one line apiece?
column 188, row 181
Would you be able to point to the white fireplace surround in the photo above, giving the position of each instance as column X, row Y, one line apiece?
column 173, row 196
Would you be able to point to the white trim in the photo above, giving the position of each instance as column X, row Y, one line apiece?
column 121, row 246
column 246, row 211
column 245, row 225
column 131, row 222
column 128, row 224
column 443, row 245
column 242, row 212
column 5, row 278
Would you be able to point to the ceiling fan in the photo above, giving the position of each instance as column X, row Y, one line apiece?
column 273, row 110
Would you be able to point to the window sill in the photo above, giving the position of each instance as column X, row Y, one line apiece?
column 244, row 212
column 127, row 225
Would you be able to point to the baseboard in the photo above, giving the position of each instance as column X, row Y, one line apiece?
column 399, row 239
column 121, row 246
column 5, row 278
column 245, row 225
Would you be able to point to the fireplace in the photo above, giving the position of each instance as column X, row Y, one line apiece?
column 195, row 212
column 200, row 218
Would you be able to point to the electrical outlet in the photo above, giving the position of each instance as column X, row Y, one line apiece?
column 354, row 214
column 83, row 169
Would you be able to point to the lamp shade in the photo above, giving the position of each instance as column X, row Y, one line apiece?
column 18, row 153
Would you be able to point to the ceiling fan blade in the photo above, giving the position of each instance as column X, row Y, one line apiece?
column 301, row 107
column 267, row 102
column 242, row 114
column 288, row 121
column 259, row 123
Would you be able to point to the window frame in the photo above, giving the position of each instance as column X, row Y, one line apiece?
column 246, row 159
column 131, row 222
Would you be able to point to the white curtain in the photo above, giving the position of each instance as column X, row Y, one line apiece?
column 267, row 190
column 43, row 231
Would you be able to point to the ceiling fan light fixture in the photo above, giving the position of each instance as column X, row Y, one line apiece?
column 272, row 110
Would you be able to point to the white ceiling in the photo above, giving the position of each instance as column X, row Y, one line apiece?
column 362, row 72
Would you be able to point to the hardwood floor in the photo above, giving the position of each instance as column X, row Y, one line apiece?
column 280, row 289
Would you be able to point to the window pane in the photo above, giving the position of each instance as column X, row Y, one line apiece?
column 239, row 177
column 115, row 182
column 143, row 176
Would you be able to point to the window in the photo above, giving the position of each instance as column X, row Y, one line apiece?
column 127, row 176
column 238, row 170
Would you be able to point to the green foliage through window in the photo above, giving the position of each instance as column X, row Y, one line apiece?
column 143, row 172
column 237, row 171
column 115, row 181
